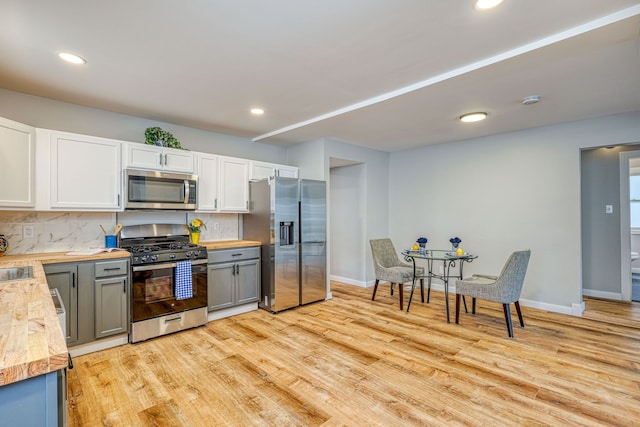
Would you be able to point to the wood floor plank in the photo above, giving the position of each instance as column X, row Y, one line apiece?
column 351, row 361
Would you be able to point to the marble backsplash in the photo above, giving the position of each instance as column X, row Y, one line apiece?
column 68, row 231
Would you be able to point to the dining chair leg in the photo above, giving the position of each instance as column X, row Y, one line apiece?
column 507, row 318
column 464, row 301
column 422, row 289
column 428, row 290
column 517, row 303
column 401, row 293
column 393, row 285
column 473, row 305
column 457, row 308
column 375, row 289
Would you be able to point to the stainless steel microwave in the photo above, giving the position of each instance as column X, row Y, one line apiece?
column 160, row 190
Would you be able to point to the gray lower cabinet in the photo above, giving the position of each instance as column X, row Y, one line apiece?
column 111, row 290
column 233, row 277
column 74, row 283
column 94, row 294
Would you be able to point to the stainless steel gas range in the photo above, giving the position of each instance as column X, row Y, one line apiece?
column 168, row 280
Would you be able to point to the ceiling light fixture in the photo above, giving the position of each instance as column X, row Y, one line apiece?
column 473, row 117
column 257, row 111
column 486, row 4
column 70, row 57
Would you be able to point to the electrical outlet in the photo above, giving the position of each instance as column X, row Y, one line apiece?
column 216, row 225
column 608, row 208
column 27, row 232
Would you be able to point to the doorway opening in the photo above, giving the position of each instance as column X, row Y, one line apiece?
column 347, row 226
column 630, row 223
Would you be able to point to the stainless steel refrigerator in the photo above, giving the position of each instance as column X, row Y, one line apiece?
column 289, row 217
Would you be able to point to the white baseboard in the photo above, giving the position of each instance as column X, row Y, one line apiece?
column 575, row 310
column 233, row 311
column 602, row 294
column 102, row 344
column 549, row 307
column 349, row 281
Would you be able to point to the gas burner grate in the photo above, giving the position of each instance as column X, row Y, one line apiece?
column 145, row 249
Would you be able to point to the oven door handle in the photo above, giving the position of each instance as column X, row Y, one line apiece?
column 165, row 265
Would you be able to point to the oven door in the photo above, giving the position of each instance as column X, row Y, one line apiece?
column 153, row 290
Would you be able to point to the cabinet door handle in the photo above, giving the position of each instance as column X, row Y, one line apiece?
column 160, row 159
column 73, row 280
column 237, row 268
column 215, row 203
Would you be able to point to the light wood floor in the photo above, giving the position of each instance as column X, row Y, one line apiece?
column 354, row 362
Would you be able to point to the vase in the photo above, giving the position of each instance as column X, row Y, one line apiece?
column 4, row 244
column 195, row 237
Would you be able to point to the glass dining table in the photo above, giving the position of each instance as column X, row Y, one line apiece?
column 450, row 260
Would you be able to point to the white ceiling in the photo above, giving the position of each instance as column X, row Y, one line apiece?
column 385, row 74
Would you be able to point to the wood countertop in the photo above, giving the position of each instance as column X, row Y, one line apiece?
column 230, row 244
column 56, row 258
column 31, row 339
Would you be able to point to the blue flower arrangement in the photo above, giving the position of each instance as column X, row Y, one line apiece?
column 422, row 242
column 455, row 241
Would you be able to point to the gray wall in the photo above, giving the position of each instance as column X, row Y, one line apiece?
column 503, row 193
column 49, row 114
column 601, row 231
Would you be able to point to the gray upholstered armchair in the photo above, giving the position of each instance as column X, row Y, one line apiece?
column 389, row 268
column 504, row 288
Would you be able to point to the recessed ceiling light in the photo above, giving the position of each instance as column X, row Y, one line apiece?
column 473, row 117
column 257, row 111
column 70, row 57
column 486, row 4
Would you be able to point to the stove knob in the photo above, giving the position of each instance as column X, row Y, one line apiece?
column 196, row 253
column 188, row 254
column 144, row 258
column 172, row 256
column 154, row 257
column 136, row 259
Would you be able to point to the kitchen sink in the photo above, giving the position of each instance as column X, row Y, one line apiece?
column 16, row 273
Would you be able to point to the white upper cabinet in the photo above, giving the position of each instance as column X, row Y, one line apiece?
column 234, row 185
column 17, row 151
column 84, row 172
column 145, row 156
column 208, row 182
column 261, row 170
